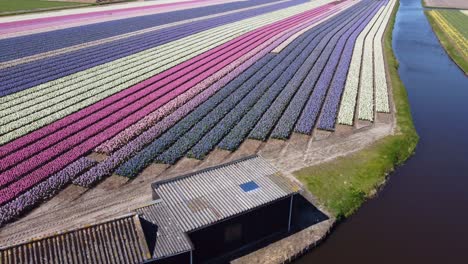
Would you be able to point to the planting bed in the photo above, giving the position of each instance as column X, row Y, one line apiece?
column 260, row 71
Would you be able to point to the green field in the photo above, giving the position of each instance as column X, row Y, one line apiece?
column 342, row 185
column 31, row 5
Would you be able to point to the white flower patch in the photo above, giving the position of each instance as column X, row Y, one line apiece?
column 348, row 101
column 381, row 88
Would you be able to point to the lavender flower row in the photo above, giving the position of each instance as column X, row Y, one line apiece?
column 289, row 68
column 330, row 108
column 43, row 190
column 310, row 113
column 41, row 71
column 262, row 129
column 147, row 155
column 290, row 116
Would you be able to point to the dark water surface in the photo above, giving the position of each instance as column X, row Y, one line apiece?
column 421, row 216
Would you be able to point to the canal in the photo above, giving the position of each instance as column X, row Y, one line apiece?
column 421, row 216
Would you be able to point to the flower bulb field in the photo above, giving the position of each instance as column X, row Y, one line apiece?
column 97, row 101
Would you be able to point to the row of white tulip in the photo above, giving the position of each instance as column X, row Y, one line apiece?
column 381, row 88
column 368, row 80
column 98, row 89
column 348, row 101
column 366, row 74
column 366, row 84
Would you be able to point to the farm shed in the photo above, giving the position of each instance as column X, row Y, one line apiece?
column 119, row 240
column 217, row 211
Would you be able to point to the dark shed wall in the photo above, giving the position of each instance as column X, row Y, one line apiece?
column 183, row 258
column 240, row 231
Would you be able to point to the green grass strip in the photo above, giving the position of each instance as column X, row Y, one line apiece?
column 30, row 5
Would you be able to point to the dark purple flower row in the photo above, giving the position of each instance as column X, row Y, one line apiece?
column 290, row 67
column 310, row 113
column 263, row 127
column 286, row 123
column 43, row 190
column 330, row 108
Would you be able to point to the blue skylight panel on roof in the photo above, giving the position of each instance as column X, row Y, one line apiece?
column 249, row 186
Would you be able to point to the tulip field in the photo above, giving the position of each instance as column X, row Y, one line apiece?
column 451, row 26
column 156, row 87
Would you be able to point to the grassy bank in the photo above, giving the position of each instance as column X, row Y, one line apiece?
column 31, row 5
column 342, row 185
column 448, row 43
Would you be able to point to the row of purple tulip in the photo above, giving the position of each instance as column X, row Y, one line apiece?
column 309, row 115
column 285, row 125
column 284, row 74
column 273, row 113
column 220, row 121
column 327, row 119
column 147, row 155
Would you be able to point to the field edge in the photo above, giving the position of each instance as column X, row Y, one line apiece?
column 341, row 185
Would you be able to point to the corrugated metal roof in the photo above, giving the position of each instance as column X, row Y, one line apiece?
column 170, row 239
column 117, row 241
column 208, row 196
